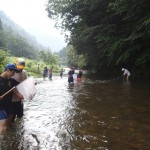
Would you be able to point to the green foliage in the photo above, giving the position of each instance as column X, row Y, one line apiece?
column 18, row 43
column 72, row 56
column 18, row 46
column 62, row 56
column 3, row 59
column 33, row 67
column 81, row 62
column 1, row 26
column 75, row 59
column 109, row 34
column 15, row 40
column 48, row 57
column 2, row 39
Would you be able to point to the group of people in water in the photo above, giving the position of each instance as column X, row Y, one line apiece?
column 71, row 73
column 11, row 104
column 48, row 73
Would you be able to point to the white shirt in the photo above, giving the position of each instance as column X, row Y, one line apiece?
column 126, row 72
column 19, row 77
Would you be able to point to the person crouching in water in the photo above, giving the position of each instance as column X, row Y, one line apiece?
column 70, row 75
column 6, row 106
column 19, row 77
column 79, row 75
column 126, row 74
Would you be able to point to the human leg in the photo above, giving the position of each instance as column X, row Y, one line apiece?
column 20, row 109
column 3, row 126
column 50, row 77
column 3, row 121
column 127, row 77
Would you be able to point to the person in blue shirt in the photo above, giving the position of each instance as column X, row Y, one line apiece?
column 45, row 73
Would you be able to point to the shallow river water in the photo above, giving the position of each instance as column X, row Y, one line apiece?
column 89, row 115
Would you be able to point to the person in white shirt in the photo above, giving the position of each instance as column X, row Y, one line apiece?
column 126, row 74
column 19, row 77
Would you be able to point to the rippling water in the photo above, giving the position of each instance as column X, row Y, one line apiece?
column 90, row 115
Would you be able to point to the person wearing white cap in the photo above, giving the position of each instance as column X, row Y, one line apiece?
column 126, row 74
column 7, row 89
column 19, row 77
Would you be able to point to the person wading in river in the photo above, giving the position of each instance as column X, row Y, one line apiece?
column 50, row 71
column 19, row 77
column 45, row 73
column 6, row 107
column 70, row 75
column 126, row 74
column 61, row 73
column 79, row 75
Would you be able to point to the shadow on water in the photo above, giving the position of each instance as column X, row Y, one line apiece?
column 104, row 114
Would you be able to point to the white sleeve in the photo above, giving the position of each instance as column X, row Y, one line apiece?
column 24, row 73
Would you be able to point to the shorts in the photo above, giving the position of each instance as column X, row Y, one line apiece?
column 78, row 79
column 3, row 115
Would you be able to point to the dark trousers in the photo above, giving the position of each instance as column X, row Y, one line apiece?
column 70, row 79
column 18, row 110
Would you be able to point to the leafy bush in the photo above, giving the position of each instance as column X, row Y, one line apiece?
column 3, row 59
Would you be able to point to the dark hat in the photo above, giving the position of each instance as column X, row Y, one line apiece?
column 12, row 67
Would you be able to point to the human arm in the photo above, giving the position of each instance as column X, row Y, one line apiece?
column 17, row 94
column 24, row 75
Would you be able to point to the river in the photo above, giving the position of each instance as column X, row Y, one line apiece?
column 95, row 114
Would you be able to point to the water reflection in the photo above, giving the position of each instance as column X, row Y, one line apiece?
column 92, row 114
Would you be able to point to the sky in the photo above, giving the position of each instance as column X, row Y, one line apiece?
column 32, row 17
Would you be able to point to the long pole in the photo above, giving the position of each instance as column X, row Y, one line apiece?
column 8, row 91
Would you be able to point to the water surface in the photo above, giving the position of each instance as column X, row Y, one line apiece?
column 94, row 114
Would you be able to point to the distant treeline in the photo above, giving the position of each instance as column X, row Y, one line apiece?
column 16, row 40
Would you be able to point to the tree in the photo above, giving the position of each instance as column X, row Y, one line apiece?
column 110, row 34
column 48, row 57
column 3, row 59
column 2, row 39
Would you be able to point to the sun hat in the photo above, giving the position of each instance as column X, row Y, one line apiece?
column 12, row 67
column 20, row 63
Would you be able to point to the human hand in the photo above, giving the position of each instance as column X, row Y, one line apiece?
column 1, row 97
column 19, row 96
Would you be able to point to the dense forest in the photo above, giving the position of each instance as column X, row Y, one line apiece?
column 107, row 34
